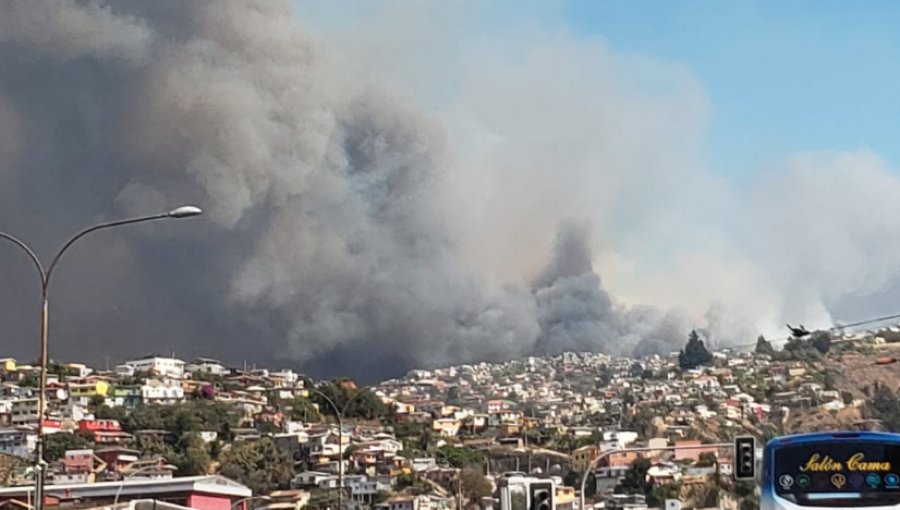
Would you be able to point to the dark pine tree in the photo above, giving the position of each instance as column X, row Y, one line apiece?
column 694, row 353
column 764, row 346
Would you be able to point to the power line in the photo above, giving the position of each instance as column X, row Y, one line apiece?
column 870, row 321
column 833, row 327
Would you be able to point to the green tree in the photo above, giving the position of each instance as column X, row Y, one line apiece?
column 56, row 445
column 354, row 404
column 746, row 493
column 694, row 353
column 750, row 503
column 267, row 427
column 821, row 341
column 473, row 483
column 189, row 416
column 59, row 369
column 260, row 465
column 885, row 406
column 193, row 457
column 764, row 346
column 407, row 429
column 29, row 381
column 302, row 409
column 459, row 457
column 97, row 401
column 182, row 446
column 144, row 417
column 573, row 479
column 380, row 497
column 349, row 451
column 659, row 494
column 106, row 412
column 635, row 479
column 706, row 459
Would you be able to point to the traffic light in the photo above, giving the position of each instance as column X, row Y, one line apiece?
column 745, row 458
column 540, row 496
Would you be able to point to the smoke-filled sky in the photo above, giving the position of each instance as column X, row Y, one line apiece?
column 392, row 185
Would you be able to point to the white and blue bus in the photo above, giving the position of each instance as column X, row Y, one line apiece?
column 831, row 470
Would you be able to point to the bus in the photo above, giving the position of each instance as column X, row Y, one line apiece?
column 831, row 470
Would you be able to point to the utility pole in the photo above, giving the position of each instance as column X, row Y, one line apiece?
column 459, row 490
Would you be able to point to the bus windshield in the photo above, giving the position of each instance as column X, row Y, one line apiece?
column 831, row 474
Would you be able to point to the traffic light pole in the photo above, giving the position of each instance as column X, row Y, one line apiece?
column 540, row 496
column 744, row 458
column 607, row 453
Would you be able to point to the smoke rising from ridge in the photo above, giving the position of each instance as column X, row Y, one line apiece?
column 350, row 230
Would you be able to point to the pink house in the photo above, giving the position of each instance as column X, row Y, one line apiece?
column 691, row 454
column 203, row 492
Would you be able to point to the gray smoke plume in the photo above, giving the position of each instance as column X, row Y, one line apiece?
column 325, row 246
column 327, row 242
column 348, row 232
column 577, row 314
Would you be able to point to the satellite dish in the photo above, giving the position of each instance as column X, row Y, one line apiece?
column 61, row 394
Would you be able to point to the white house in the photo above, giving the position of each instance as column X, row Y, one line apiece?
column 367, row 489
column 160, row 392
column 310, row 478
column 206, row 366
column 617, row 440
column 285, row 376
column 208, row 436
column 124, row 370
column 24, row 411
column 17, row 442
column 158, row 365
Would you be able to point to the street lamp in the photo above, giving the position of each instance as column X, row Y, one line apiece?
column 129, row 476
column 249, row 499
column 45, row 274
column 339, row 414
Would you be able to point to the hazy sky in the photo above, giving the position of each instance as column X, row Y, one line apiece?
column 782, row 77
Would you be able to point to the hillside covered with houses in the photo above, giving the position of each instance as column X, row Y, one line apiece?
column 446, row 437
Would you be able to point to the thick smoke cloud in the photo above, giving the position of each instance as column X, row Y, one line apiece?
column 323, row 205
column 351, row 230
column 577, row 314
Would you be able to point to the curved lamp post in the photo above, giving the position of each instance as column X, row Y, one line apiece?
column 129, row 476
column 45, row 274
column 248, row 499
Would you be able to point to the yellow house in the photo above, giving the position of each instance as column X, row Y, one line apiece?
column 400, row 465
column 8, row 364
column 448, row 411
column 510, row 429
column 78, row 369
column 404, row 408
column 582, row 457
column 565, row 498
column 446, row 427
column 88, row 390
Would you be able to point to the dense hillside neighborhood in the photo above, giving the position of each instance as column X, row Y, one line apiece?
column 442, row 438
